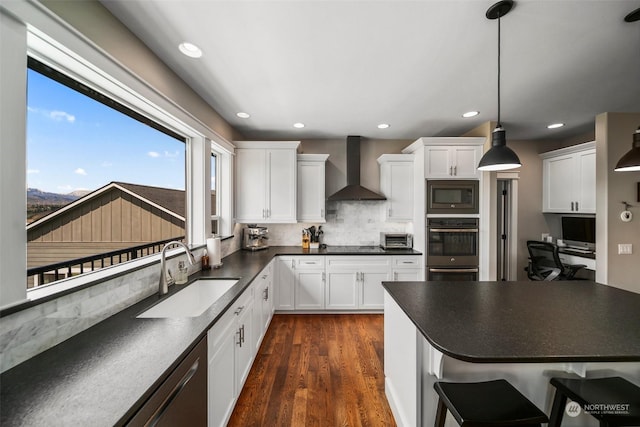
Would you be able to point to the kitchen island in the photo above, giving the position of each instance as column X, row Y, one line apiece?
column 525, row 332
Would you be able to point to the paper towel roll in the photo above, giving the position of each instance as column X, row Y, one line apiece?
column 213, row 249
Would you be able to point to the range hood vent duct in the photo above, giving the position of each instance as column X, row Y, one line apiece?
column 353, row 190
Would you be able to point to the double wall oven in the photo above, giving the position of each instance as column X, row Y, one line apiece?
column 452, row 249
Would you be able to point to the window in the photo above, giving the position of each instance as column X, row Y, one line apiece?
column 105, row 183
column 214, row 200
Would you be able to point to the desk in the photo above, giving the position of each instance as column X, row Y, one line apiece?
column 572, row 257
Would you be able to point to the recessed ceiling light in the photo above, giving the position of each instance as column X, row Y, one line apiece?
column 555, row 125
column 243, row 115
column 190, row 50
column 470, row 114
column 383, row 126
column 298, row 125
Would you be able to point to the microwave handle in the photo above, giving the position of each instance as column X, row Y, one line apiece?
column 454, row 230
column 453, row 270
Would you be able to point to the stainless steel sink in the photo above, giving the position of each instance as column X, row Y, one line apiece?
column 191, row 301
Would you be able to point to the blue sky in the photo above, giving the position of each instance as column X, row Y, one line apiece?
column 76, row 143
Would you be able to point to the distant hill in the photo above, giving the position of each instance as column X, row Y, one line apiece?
column 41, row 203
column 39, row 197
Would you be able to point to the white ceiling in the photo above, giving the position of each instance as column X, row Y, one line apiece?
column 342, row 67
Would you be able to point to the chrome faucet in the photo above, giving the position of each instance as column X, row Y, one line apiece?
column 165, row 275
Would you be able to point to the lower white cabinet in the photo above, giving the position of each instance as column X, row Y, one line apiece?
column 230, row 354
column 407, row 268
column 300, row 283
column 356, row 282
column 263, row 306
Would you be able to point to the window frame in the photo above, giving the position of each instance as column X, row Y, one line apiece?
column 199, row 141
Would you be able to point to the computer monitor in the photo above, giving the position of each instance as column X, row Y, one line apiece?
column 579, row 231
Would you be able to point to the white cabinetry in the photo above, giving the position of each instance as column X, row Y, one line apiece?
column 451, row 162
column 230, row 354
column 356, row 282
column 569, row 179
column 407, row 268
column 311, row 187
column 266, row 182
column 396, row 183
column 263, row 306
column 300, row 283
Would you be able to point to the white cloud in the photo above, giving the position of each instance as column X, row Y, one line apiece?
column 80, row 171
column 153, row 154
column 62, row 115
column 32, row 171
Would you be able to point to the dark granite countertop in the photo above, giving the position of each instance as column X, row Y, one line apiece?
column 488, row 322
column 101, row 376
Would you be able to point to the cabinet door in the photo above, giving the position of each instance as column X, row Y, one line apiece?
column 245, row 346
column 438, row 162
column 267, row 304
column 250, row 185
column 400, row 192
column 558, row 178
column 342, row 289
column 285, row 284
column 222, row 368
column 586, row 188
column 407, row 274
column 309, row 293
column 311, row 191
column 466, row 161
column 281, row 185
column 372, row 292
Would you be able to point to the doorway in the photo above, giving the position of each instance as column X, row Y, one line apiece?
column 507, row 226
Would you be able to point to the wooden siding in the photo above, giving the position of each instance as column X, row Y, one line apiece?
column 112, row 217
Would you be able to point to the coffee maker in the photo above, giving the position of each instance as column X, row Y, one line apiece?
column 255, row 238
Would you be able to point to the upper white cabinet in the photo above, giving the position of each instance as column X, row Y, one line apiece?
column 396, row 183
column 311, row 187
column 266, row 181
column 452, row 162
column 569, row 179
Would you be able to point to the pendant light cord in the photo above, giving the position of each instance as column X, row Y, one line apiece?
column 499, row 124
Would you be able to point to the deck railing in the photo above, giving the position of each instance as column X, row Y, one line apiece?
column 82, row 265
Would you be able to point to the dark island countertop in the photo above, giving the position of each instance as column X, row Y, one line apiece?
column 501, row 322
column 103, row 375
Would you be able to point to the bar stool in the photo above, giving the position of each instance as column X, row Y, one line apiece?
column 593, row 392
column 486, row 404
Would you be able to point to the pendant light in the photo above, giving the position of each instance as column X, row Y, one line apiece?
column 630, row 162
column 499, row 157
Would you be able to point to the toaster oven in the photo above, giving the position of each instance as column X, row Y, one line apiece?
column 396, row 240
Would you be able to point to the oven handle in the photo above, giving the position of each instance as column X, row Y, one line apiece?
column 453, row 230
column 453, row 270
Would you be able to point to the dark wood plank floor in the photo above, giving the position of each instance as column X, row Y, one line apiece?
column 317, row 370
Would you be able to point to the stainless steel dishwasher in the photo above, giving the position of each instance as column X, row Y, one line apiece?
column 182, row 399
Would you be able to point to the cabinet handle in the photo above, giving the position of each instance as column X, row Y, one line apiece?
column 242, row 334
column 293, row 264
column 324, row 278
column 450, row 170
column 155, row 418
column 395, row 275
column 389, row 212
column 407, row 262
column 238, row 310
column 577, row 208
column 571, row 206
column 265, row 294
column 239, row 334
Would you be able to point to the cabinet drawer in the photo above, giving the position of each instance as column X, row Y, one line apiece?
column 407, row 261
column 360, row 262
column 314, row 262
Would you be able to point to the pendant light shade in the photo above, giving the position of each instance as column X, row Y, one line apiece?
column 630, row 162
column 499, row 157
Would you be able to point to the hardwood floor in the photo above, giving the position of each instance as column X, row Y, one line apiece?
column 317, row 370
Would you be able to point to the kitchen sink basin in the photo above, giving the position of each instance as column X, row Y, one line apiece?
column 191, row 301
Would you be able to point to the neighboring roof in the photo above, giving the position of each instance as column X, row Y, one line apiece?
column 165, row 199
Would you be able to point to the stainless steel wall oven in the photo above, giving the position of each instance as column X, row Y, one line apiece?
column 452, row 249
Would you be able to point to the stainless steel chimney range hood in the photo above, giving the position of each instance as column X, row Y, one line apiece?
column 353, row 190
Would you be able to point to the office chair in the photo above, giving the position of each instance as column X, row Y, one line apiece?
column 545, row 263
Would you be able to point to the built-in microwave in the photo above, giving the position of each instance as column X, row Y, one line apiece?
column 452, row 196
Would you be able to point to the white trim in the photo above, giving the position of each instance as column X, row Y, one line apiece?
column 271, row 145
column 568, row 150
column 450, row 140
